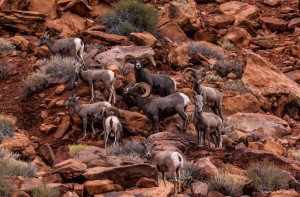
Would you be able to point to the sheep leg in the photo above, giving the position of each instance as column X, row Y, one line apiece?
column 214, row 137
column 92, row 127
column 156, row 124
column 84, row 122
column 203, row 136
column 92, row 90
column 164, row 178
column 175, row 183
column 198, row 136
column 178, row 176
column 219, row 137
column 184, row 118
column 208, row 131
column 106, row 134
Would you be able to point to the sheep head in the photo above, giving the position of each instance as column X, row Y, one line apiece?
column 73, row 99
column 148, row 148
column 198, row 101
column 44, row 37
column 137, row 61
column 112, row 111
column 196, row 74
column 142, row 89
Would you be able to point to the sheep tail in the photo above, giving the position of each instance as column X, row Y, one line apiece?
column 179, row 158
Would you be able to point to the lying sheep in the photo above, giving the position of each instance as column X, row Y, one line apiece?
column 64, row 47
column 86, row 112
column 112, row 125
column 156, row 108
column 162, row 85
column 89, row 76
column 206, row 123
column 165, row 161
column 211, row 96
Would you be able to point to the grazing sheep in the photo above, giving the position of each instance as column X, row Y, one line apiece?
column 64, row 47
column 206, row 123
column 86, row 112
column 156, row 108
column 165, row 161
column 112, row 125
column 89, row 76
column 162, row 85
column 211, row 96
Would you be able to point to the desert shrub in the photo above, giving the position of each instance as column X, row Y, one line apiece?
column 57, row 67
column 227, row 183
column 35, row 83
column 7, row 127
column 5, row 187
column 267, row 177
column 129, row 151
column 236, row 85
column 10, row 166
column 213, row 78
column 226, row 44
column 224, row 67
column 6, row 46
column 196, row 47
column 44, row 191
column 130, row 16
column 74, row 149
column 3, row 71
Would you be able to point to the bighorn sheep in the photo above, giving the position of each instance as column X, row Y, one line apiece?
column 160, row 84
column 165, row 161
column 156, row 108
column 64, row 47
column 206, row 122
column 112, row 125
column 86, row 112
column 89, row 76
column 211, row 96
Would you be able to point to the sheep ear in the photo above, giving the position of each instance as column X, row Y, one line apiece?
column 154, row 146
column 201, row 93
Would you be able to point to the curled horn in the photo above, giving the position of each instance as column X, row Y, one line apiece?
column 195, row 93
column 191, row 70
column 114, row 110
column 145, row 86
column 126, row 59
column 149, row 57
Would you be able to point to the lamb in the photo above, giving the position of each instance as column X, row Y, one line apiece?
column 112, row 125
column 160, row 84
column 165, row 161
column 206, row 122
column 89, row 76
column 86, row 111
column 211, row 96
column 156, row 108
column 65, row 47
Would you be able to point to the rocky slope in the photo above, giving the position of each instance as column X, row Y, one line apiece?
column 250, row 53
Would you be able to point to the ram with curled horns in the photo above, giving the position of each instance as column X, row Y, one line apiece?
column 157, row 108
column 160, row 84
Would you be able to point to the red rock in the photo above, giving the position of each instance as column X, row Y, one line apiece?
column 46, row 153
column 239, row 36
column 215, row 194
column 47, row 128
column 69, row 169
column 199, row 188
column 62, row 188
column 274, row 147
column 142, row 39
column 180, row 56
column 219, row 21
column 80, row 7
column 59, row 89
column 63, row 127
column 272, row 2
column 20, row 194
column 98, row 186
column 62, row 154
column 239, row 10
column 70, row 194
column 172, row 31
column 79, row 189
column 274, row 24
column 145, row 182
column 205, row 167
column 44, row 7
column 51, row 105
column 106, row 37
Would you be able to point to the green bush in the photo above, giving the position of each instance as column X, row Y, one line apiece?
column 236, row 85
column 44, row 191
column 227, row 183
column 6, row 46
column 267, row 177
column 10, row 166
column 130, row 16
column 226, row 44
column 224, row 67
column 74, row 149
column 5, row 187
column 57, row 67
column 213, row 78
column 7, row 127
column 196, row 47
column 130, row 151
column 189, row 174
column 35, row 83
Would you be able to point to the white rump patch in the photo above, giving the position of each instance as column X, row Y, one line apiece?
column 186, row 99
column 175, row 84
column 77, row 42
column 175, row 158
column 111, row 75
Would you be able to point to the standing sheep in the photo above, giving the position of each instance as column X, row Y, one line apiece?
column 165, row 161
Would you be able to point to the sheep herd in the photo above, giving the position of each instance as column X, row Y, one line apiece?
column 167, row 103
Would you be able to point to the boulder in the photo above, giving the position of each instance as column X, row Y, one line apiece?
column 265, row 80
column 63, row 127
column 79, row 189
column 126, row 176
column 239, row 36
column 145, row 182
column 179, row 57
column 79, row 7
column 295, row 22
column 116, row 54
column 114, row 38
column 62, row 154
column 20, row 42
column 69, row 169
column 199, row 188
column 206, row 168
column 249, row 122
column 142, row 39
column 284, row 193
column 45, row 7
column 274, row 147
column 47, row 128
column 60, row 187
column 98, row 186
column 18, row 142
column 219, row 21
column 94, row 156
column 46, row 153
column 239, row 9
column 172, row 31
column 274, row 24
column 272, row 2
column 234, row 102
column 70, row 194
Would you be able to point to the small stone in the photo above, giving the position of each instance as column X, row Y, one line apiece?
column 44, row 114
column 231, row 76
column 98, row 186
column 47, row 128
column 60, row 103
column 59, row 89
column 145, row 182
